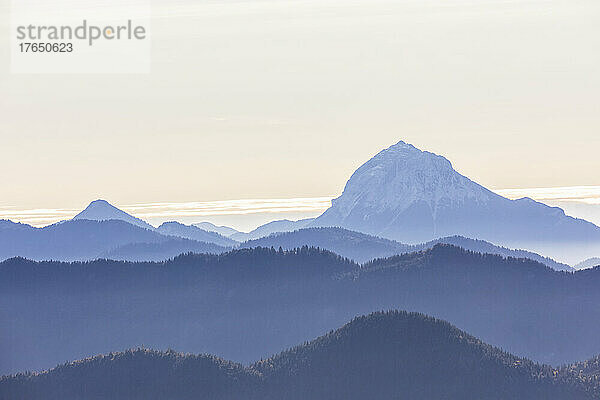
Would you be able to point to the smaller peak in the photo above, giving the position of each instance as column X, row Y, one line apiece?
column 102, row 210
column 100, row 202
column 173, row 223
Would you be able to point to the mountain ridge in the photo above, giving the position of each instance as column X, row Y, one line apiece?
column 192, row 232
column 414, row 196
column 589, row 263
column 221, row 229
column 85, row 239
column 381, row 355
column 276, row 298
column 277, row 226
column 362, row 247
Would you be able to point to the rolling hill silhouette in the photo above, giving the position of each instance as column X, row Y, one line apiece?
column 383, row 355
column 250, row 302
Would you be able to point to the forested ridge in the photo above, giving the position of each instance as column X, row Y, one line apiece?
column 361, row 247
column 246, row 303
column 385, row 355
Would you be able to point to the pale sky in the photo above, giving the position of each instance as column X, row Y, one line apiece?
column 284, row 99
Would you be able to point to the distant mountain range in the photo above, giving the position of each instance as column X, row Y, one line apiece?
column 380, row 356
column 104, row 231
column 160, row 251
column 414, row 196
column 408, row 232
column 221, row 230
column 401, row 194
column 101, row 210
column 82, row 239
column 589, row 263
column 247, row 303
column 283, row 225
column 70, row 240
column 278, row 226
column 194, row 233
column 361, row 247
column 118, row 239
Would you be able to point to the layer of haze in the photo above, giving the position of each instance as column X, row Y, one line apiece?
column 263, row 99
column 247, row 214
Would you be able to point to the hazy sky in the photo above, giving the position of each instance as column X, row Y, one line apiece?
column 279, row 99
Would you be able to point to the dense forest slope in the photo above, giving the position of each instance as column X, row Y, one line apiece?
column 381, row 356
column 134, row 374
column 160, row 251
column 361, row 247
column 247, row 303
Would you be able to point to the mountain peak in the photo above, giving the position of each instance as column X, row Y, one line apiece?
column 402, row 152
column 100, row 203
column 399, row 179
column 410, row 195
column 102, row 210
column 402, row 145
column 404, row 172
column 103, row 207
